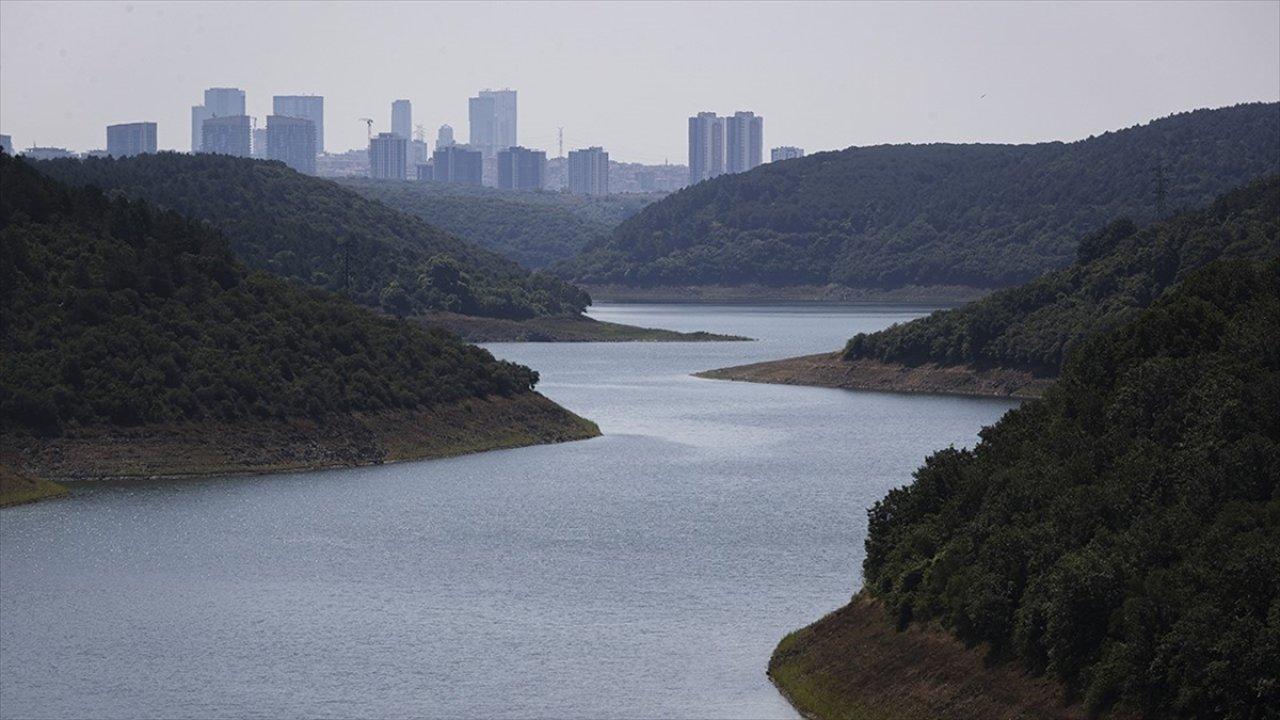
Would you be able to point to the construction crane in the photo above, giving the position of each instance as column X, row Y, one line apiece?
column 420, row 133
column 368, row 127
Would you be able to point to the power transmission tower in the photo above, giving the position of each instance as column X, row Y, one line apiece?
column 560, row 132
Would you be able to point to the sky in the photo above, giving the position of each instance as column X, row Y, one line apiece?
column 627, row 76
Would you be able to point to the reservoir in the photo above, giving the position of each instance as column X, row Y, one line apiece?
column 646, row 573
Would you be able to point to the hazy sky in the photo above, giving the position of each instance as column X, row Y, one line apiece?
column 627, row 76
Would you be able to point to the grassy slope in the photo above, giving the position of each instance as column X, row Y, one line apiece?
column 561, row 329
column 200, row 448
column 17, row 488
column 853, row 665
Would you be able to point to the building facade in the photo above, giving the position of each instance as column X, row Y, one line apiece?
column 521, row 168
column 260, row 142
column 6, row 144
column 743, row 142
column 228, row 135
column 292, row 141
column 402, row 119
column 706, row 147
column 218, row 102
column 444, row 136
column 589, row 171
column 128, row 139
column 492, row 115
column 457, row 164
column 310, row 107
column 47, row 153
column 388, row 156
column 786, row 152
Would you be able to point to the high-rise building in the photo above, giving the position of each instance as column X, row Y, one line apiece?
column 493, row 120
column 786, row 152
column 224, row 102
column 199, row 114
column 706, row 147
column 402, row 119
column 218, row 102
column 131, row 139
column 521, row 168
column 457, row 164
column 260, row 143
column 388, row 156
column 418, row 152
column 444, row 137
column 589, row 171
column 743, row 142
column 310, row 107
column 292, row 140
column 228, row 135
column 6, row 144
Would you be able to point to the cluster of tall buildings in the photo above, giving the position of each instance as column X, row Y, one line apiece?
column 720, row 145
column 294, row 134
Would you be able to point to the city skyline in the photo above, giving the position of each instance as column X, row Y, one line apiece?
column 836, row 88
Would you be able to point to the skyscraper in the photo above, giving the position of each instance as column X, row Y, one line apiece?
column 260, row 143
column 457, row 164
column 199, row 114
column 402, row 119
column 6, row 144
column 218, row 102
column 521, row 168
column 706, row 147
column 589, row 171
column 388, row 156
column 493, row 120
column 444, row 137
column 743, row 141
column 228, row 135
column 310, row 107
column 292, row 140
column 223, row 102
column 786, row 152
column 131, row 139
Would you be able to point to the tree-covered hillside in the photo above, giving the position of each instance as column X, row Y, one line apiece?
column 534, row 229
column 1119, row 270
column 116, row 313
column 884, row 217
column 314, row 232
column 1123, row 533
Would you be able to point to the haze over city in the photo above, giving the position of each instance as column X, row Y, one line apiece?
column 626, row 76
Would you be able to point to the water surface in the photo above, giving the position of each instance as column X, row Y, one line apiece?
column 646, row 573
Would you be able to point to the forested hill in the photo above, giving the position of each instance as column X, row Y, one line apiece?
column 314, row 232
column 535, row 229
column 117, row 314
column 1123, row 533
column 1119, row 270
column 884, row 217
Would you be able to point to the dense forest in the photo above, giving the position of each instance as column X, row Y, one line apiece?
column 115, row 312
column 1119, row 270
column 885, row 217
column 1122, row 534
column 534, row 229
column 314, row 232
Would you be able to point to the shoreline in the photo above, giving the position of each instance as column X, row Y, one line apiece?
column 560, row 329
column 937, row 295
column 266, row 447
column 829, row 370
column 853, row 664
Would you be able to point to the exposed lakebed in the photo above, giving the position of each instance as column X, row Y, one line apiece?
column 649, row 572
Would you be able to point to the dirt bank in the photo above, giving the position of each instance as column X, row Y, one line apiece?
column 853, row 665
column 828, row 370
column 263, row 446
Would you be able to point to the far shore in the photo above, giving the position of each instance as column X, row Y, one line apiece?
column 830, row 370
column 937, row 295
column 560, row 329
